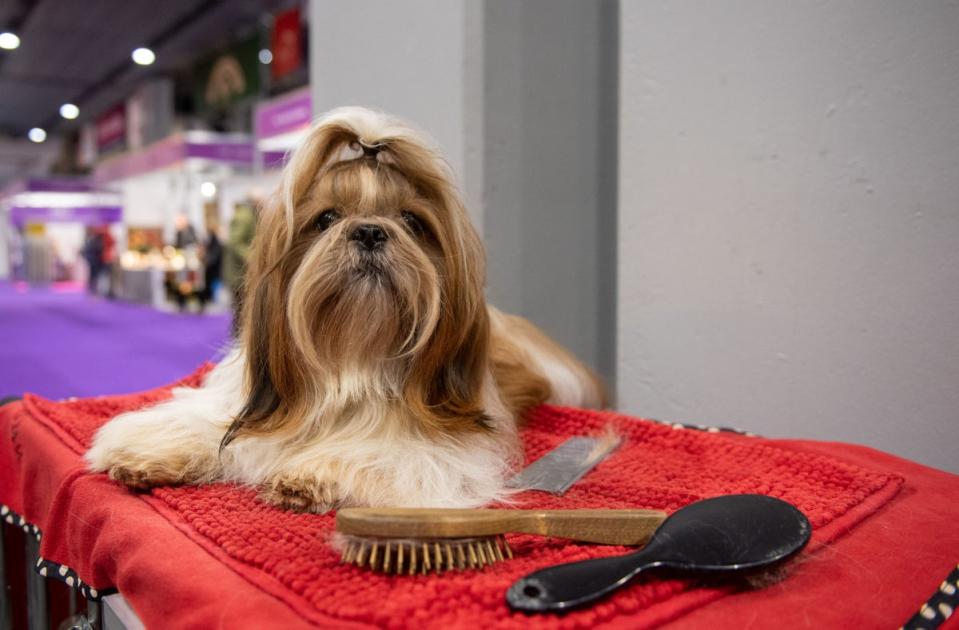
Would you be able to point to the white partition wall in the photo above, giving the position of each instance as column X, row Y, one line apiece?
column 789, row 219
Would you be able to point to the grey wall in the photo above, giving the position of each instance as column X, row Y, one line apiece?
column 521, row 97
column 789, row 219
column 549, row 168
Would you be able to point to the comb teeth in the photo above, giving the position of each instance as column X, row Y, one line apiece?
column 413, row 557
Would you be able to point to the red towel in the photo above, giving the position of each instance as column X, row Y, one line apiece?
column 288, row 556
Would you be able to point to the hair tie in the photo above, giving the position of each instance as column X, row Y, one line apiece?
column 371, row 150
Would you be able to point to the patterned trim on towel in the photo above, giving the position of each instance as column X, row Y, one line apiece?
column 939, row 607
column 702, row 427
column 46, row 568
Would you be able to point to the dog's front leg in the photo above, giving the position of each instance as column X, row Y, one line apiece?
column 174, row 442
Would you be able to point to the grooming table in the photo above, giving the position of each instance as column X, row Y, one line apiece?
column 884, row 550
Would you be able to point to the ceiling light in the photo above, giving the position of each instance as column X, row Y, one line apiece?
column 9, row 41
column 143, row 56
column 37, row 135
column 208, row 189
column 69, row 111
column 265, row 56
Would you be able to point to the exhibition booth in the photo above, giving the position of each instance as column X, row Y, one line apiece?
column 161, row 203
column 158, row 204
column 176, row 192
column 47, row 222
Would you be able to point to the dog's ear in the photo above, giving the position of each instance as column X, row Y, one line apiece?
column 464, row 259
column 262, row 330
column 273, row 377
column 448, row 376
column 446, row 381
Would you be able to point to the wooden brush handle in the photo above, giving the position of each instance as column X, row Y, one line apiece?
column 609, row 527
column 606, row 527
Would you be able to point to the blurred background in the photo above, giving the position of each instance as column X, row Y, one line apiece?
column 741, row 213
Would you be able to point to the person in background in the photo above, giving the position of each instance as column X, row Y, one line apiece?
column 183, row 284
column 108, row 257
column 93, row 249
column 235, row 255
column 185, row 234
column 212, row 265
column 15, row 245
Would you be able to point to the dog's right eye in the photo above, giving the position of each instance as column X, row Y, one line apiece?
column 325, row 220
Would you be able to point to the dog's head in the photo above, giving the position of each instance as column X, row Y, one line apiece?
column 365, row 278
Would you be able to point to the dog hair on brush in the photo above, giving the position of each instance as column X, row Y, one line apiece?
column 369, row 369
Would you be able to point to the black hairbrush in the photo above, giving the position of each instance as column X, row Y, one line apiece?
column 733, row 533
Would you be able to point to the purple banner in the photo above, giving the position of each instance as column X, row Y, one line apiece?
column 222, row 152
column 34, row 184
column 274, row 159
column 170, row 151
column 59, row 185
column 157, row 156
column 287, row 113
column 93, row 215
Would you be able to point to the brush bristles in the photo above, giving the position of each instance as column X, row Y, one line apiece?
column 411, row 557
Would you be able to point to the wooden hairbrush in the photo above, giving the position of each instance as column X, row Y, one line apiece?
column 420, row 540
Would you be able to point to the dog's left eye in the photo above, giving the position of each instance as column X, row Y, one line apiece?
column 413, row 222
column 325, row 220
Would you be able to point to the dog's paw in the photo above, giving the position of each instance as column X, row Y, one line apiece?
column 137, row 478
column 301, row 495
column 142, row 470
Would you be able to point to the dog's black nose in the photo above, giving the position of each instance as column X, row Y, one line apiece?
column 369, row 236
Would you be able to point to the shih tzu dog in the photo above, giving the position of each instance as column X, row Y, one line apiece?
column 369, row 369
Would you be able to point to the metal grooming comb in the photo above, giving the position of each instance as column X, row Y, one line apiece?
column 566, row 464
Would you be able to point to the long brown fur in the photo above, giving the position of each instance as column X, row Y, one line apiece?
column 443, row 378
column 521, row 387
column 364, row 374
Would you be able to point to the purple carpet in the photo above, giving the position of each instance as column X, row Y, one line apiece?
column 58, row 342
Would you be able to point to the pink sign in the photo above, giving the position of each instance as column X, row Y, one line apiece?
column 112, row 127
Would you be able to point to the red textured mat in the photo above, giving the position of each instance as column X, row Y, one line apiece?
column 658, row 466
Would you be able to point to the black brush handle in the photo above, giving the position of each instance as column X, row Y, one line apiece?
column 567, row 586
column 724, row 534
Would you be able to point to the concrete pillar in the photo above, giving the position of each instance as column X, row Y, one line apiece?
column 521, row 96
